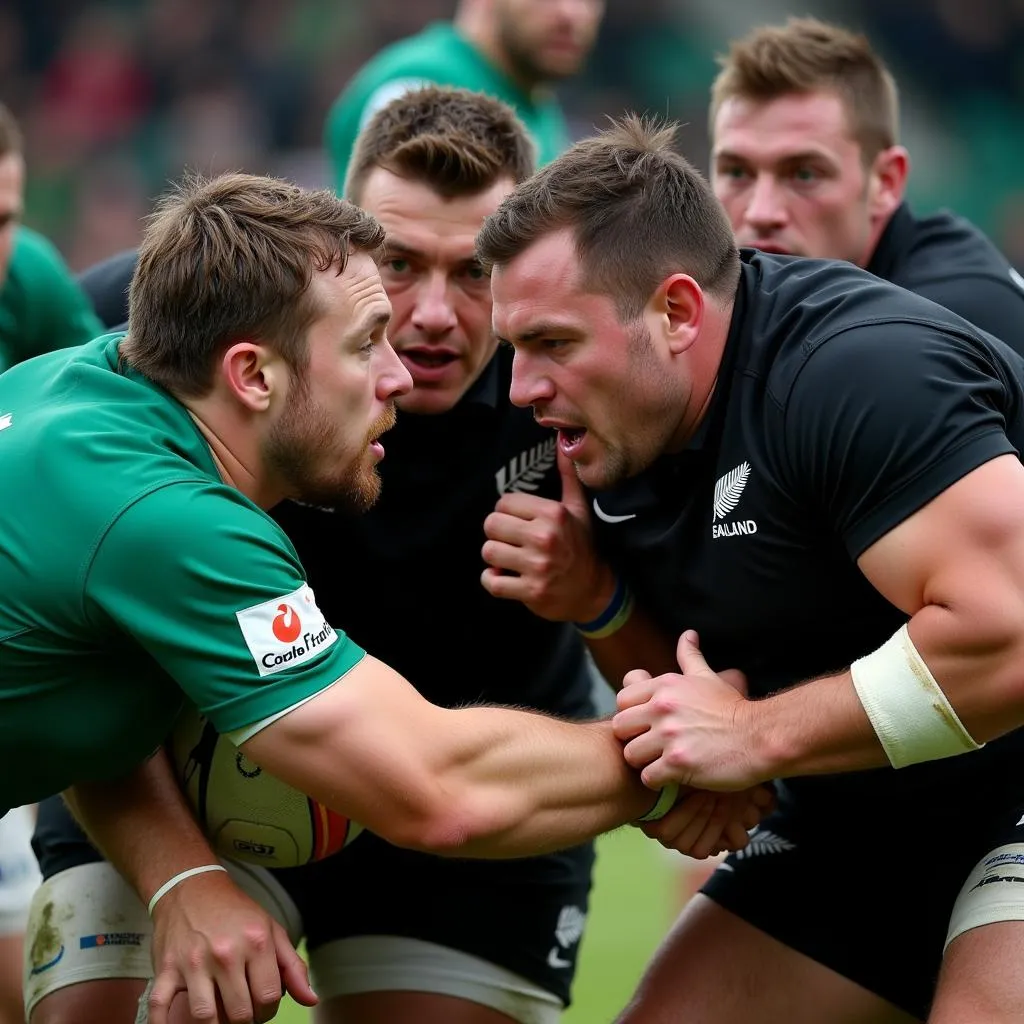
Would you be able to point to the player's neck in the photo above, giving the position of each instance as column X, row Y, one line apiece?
column 702, row 369
column 476, row 24
column 235, row 452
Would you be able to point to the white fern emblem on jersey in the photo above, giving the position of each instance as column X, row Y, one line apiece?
column 729, row 488
column 763, row 841
column 570, row 925
column 526, row 471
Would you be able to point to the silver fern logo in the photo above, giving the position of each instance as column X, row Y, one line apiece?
column 728, row 491
column 762, row 842
column 729, row 488
column 567, row 933
column 526, row 471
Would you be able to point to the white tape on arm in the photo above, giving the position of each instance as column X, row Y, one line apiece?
column 908, row 710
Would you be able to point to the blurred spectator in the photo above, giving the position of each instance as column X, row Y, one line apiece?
column 156, row 85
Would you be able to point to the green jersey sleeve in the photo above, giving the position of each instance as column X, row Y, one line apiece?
column 42, row 308
column 212, row 588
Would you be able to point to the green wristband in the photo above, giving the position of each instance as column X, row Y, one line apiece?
column 666, row 801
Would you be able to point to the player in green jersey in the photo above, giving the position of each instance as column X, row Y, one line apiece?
column 41, row 306
column 510, row 49
column 139, row 568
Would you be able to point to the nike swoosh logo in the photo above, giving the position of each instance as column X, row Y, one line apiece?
column 554, row 960
column 606, row 517
column 5, row 421
column 52, row 963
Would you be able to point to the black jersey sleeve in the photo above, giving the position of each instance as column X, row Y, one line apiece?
column 882, row 418
column 107, row 285
column 995, row 304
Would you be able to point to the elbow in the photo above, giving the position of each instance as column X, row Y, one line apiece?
column 447, row 825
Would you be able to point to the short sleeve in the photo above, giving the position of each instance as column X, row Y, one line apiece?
column 212, row 588
column 883, row 418
column 995, row 304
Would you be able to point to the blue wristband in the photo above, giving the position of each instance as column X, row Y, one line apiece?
column 620, row 607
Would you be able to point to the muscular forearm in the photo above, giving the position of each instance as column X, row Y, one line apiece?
column 528, row 789
column 812, row 729
column 822, row 726
column 142, row 825
column 479, row 781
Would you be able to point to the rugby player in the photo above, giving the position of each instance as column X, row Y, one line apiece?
column 806, row 160
column 798, row 467
column 416, row 938
column 510, row 49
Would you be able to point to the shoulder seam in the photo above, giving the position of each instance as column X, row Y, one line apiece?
column 90, row 556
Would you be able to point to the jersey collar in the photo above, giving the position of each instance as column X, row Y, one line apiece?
column 889, row 251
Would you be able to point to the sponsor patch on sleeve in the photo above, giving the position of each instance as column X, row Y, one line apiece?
column 286, row 631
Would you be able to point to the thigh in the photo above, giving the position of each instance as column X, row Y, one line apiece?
column 981, row 978
column 716, row 968
column 422, row 1007
column 379, row 979
column 868, row 899
column 85, row 925
column 111, row 1001
column 524, row 916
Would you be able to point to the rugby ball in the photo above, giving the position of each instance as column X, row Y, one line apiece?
column 247, row 813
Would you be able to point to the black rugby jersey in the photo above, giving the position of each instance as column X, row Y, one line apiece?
column 843, row 405
column 404, row 578
column 947, row 259
column 107, row 285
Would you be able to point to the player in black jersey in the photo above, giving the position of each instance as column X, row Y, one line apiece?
column 395, row 934
column 819, row 474
column 806, row 160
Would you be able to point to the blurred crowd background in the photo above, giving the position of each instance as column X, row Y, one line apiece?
column 116, row 98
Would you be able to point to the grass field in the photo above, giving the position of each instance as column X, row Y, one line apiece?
column 631, row 908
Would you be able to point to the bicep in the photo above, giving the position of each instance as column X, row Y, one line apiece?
column 962, row 552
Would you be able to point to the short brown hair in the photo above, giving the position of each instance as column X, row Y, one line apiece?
column 455, row 141
column 638, row 210
column 232, row 258
column 806, row 55
column 10, row 133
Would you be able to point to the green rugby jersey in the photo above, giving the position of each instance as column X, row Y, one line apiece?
column 41, row 306
column 440, row 56
column 129, row 575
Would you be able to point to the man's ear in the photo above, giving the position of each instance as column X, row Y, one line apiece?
column 250, row 373
column 887, row 182
column 679, row 307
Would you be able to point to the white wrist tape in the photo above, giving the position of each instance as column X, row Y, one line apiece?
column 908, row 710
column 180, row 877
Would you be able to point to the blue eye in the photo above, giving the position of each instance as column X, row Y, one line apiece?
column 805, row 175
column 397, row 265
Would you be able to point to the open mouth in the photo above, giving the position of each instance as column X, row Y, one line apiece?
column 570, row 439
column 428, row 359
